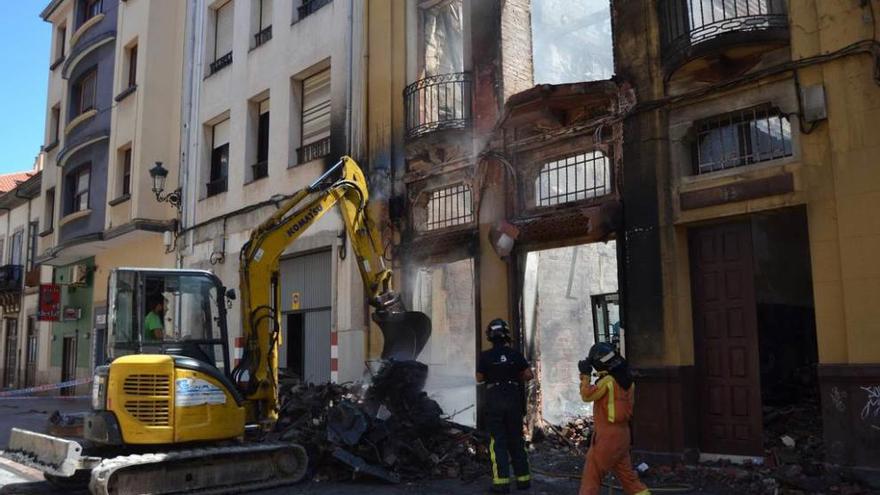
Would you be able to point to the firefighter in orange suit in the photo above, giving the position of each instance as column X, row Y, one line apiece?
column 613, row 398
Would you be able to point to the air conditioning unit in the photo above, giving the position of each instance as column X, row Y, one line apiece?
column 79, row 274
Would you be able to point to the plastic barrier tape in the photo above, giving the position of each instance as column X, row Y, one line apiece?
column 43, row 388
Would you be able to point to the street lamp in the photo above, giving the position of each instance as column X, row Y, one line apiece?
column 158, row 173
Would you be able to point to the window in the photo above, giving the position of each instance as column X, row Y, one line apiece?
column 574, row 178
column 262, row 21
column 15, row 248
column 223, row 27
column 60, row 42
column 261, row 168
column 49, row 212
column 90, row 8
column 78, row 190
column 315, row 117
column 55, row 124
column 741, row 138
column 84, row 94
column 132, row 66
column 32, row 245
column 442, row 41
column 126, row 172
column 217, row 182
column 449, row 206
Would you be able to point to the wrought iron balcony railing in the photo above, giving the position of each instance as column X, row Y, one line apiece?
column 438, row 102
column 313, row 151
column 687, row 24
column 263, row 36
column 309, row 7
column 217, row 186
column 11, row 278
column 260, row 170
column 221, row 62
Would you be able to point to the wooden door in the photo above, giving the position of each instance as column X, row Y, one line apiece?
column 726, row 340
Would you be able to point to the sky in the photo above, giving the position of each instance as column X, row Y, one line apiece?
column 24, row 59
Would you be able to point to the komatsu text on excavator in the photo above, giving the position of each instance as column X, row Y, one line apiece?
column 169, row 414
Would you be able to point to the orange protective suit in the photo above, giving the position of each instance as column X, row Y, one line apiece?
column 609, row 449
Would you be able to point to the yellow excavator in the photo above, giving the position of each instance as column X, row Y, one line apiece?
column 169, row 414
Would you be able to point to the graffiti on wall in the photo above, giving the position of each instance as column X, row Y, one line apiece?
column 872, row 405
column 838, row 398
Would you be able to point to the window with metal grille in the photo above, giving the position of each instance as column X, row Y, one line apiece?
column 449, row 206
column 315, row 126
column 573, row 178
column 744, row 137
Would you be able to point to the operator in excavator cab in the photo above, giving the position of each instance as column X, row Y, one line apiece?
column 613, row 396
column 153, row 328
column 504, row 369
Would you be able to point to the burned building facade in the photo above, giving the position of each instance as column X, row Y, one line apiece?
column 749, row 184
column 504, row 198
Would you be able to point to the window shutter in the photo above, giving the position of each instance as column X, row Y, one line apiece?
column 221, row 134
column 224, row 30
column 316, row 108
column 265, row 13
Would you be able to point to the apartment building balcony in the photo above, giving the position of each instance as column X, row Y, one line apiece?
column 438, row 103
column 309, row 7
column 11, row 279
column 693, row 29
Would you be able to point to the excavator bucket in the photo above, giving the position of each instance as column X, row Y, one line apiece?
column 405, row 333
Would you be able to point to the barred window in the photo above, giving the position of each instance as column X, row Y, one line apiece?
column 574, row 178
column 744, row 137
column 449, row 206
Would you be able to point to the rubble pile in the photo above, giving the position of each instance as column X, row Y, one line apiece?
column 573, row 436
column 391, row 431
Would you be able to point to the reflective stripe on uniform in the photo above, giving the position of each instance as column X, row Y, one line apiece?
column 495, row 479
column 644, row 492
column 526, row 477
column 610, row 386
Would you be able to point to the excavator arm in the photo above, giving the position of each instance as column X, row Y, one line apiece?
column 344, row 184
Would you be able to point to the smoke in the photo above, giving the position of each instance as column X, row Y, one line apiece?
column 572, row 41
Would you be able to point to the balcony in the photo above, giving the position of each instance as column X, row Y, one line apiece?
column 11, row 277
column 260, row 170
column 313, row 151
column 217, row 186
column 309, row 7
column 437, row 103
column 221, row 62
column 697, row 28
column 263, row 36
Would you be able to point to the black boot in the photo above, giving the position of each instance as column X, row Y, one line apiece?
column 523, row 485
column 500, row 488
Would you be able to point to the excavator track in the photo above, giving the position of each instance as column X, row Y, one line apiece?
column 205, row 471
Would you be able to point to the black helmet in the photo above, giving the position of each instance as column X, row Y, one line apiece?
column 604, row 357
column 498, row 331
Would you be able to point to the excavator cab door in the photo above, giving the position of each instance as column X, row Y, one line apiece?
column 405, row 333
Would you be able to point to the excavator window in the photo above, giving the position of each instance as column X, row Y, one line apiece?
column 164, row 312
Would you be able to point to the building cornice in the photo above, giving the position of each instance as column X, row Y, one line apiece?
column 53, row 4
column 69, row 150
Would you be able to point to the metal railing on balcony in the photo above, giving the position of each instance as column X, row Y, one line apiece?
column 217, row 186
column 438, row 102
column 260, row 170
column 309, row 7
column 221, row 62
column 11, row 277
column 263, row 36
column 687, row 23
column 313, row 151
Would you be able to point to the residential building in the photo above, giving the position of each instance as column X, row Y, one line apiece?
column 113, row 109
column 274, row 98
column 25, row 341
column 749, row 180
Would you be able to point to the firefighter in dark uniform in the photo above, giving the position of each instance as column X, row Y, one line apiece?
column 504, row 370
